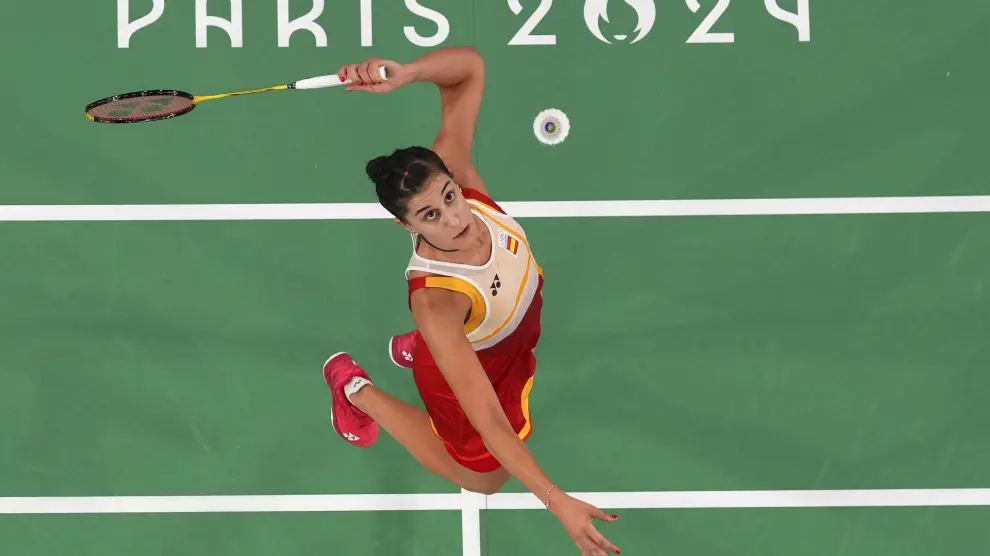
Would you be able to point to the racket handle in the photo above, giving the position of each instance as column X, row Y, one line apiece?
column 329, row 81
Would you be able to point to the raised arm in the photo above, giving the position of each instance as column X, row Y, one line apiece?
column 459, row 73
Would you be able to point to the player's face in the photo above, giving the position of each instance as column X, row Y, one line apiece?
column 441, row 214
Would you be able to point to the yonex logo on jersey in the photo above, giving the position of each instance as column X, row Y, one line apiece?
column 496, row 285
column 351, row 437
column 507, row 242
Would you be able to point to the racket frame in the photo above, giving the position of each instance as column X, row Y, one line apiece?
column 139, row 94
column 320, row 82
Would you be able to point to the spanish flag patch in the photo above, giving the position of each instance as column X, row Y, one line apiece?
column 507, row 242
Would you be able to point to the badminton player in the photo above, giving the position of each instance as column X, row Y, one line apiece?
column 475, row 293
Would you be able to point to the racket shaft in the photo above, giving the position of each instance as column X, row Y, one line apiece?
column 238, row 93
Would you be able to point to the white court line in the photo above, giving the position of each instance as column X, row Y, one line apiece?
column 473, row 503
column 230, row 504
column 523, row 209
column 501, row 501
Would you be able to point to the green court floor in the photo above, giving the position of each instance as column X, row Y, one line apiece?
column 750, row 353
column 774, row 359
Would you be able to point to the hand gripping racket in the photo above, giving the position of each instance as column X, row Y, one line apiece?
column 162, row 104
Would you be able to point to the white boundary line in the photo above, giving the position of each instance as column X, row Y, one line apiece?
column 470, row 504
column 471, row 538
column 525, row 209
column 502, row 501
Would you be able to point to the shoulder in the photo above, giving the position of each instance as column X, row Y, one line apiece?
column 492, row 211
column 481, row 197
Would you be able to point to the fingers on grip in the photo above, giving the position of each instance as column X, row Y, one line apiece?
column 362, row 75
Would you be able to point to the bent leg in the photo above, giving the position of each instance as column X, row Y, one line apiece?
column 410, row 426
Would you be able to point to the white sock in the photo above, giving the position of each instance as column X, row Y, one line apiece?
column 354, row 385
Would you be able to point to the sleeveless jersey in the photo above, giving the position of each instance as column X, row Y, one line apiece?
column 501, row 290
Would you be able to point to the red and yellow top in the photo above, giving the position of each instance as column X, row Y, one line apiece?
column 501, row 290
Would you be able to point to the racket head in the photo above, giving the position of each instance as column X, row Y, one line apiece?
column 141, row 106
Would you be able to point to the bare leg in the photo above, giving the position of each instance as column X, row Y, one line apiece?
column 410, row 426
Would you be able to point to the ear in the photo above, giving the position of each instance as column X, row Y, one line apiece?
column 403, row 224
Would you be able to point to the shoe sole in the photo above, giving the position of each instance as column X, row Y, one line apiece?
column 339, row 353
column 332, row 424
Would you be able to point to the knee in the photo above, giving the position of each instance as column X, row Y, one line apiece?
column 485, row 489
column 490, row 484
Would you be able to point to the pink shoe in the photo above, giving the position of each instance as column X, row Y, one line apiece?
column 401, row 348
column 352, row 424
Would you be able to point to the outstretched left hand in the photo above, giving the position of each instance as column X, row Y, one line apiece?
column 577, row 518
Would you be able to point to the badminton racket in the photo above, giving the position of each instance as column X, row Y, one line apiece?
column 162, row 104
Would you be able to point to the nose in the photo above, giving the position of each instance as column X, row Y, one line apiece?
column 453, row 219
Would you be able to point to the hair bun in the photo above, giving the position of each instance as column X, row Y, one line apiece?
column 379, row 169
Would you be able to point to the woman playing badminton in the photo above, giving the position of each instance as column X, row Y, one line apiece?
column 475, row 293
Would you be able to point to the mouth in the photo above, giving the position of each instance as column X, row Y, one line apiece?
column 463, row 232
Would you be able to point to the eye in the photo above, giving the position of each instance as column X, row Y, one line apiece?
column 450, row 196
column 430, row 215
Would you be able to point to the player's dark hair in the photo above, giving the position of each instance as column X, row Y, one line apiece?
column 402, row 174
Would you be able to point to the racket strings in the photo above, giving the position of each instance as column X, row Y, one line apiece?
column 139, row 108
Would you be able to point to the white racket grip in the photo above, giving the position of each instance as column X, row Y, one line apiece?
column 330, row 81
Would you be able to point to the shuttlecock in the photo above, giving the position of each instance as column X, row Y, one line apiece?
column 551, row 126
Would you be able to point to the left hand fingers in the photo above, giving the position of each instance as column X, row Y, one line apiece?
column 589, row 548
column 602, row 543
column 601, row 515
